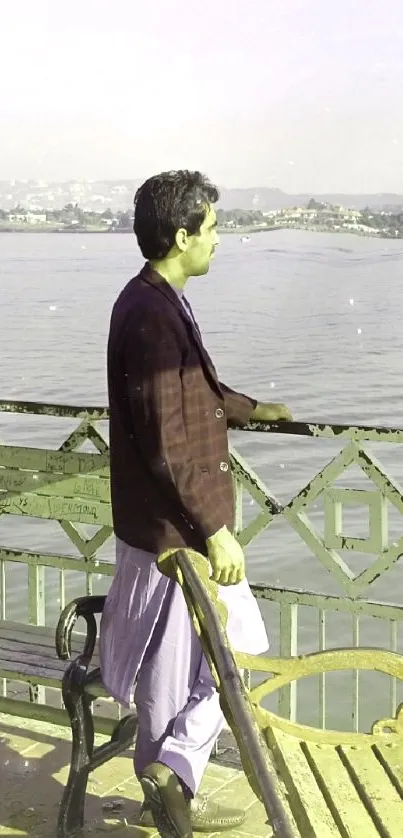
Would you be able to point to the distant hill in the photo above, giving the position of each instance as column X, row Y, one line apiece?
column 118, row 195
column 267, row 199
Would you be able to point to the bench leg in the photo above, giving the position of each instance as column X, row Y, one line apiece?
column 78, row 706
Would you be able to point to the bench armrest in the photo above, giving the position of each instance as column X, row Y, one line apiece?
column 85, row 606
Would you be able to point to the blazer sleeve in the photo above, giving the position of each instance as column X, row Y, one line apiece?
column 153, row 361
column 238, row 407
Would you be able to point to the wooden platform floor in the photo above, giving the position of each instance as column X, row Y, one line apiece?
column 34, row 760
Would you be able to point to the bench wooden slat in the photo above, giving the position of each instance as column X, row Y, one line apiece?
column 375, row 788
column 40, row 637
column 27, row 653
column 13, row 628
column 309, row 808
column 44, row 635
column 26, row 646
column 9, row 647
column 31, row 658
column 339, row 792
column 28, row 672
column 391, row 757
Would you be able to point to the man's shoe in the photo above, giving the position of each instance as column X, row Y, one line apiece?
column 166, row 801
column 205, row 815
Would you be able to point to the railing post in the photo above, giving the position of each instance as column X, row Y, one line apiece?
column 322, row 676
column 356, row 676
column 3, row 612
column 36, row 615
column 393, row 681
column 238, row 500
column 2, row 589
column 287, row 703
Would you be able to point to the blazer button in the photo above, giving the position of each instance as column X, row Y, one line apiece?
column 219, row 413
column 224, row 466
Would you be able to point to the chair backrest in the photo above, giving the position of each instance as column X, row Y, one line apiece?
column 191, row 570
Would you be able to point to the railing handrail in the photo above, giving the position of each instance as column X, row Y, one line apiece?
column 324, row 430
column 51, row 409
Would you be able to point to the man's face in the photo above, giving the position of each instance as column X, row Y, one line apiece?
column 200, row 247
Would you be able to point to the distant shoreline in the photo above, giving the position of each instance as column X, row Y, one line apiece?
column 33, row 228
column 240, row 231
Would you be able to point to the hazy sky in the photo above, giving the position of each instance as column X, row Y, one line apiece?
column 304, row 95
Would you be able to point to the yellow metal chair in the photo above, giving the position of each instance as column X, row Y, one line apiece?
column 313, row 783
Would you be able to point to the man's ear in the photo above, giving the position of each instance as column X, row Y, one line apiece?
column 181, row 239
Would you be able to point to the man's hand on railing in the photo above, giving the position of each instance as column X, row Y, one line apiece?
column 226, row 558
column 272, row 412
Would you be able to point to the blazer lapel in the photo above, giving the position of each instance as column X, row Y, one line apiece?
column 160, row 284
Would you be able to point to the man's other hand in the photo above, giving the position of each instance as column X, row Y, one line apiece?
column 271, row 412
column 226, row 558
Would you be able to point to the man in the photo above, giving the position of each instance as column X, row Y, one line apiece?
column 171, row 486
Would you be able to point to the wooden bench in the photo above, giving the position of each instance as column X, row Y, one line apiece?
column 313, row 783
column 27, row 653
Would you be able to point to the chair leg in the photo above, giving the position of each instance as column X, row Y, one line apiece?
column 78, row 706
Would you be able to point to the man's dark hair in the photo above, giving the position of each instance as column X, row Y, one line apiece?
column 167, row 202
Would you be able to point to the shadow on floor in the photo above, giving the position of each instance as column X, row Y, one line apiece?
column 33, row 771
column 34, row 765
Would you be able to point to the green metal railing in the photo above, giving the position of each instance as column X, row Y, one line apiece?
column 71, row 487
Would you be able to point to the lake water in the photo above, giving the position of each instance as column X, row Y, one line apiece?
column 311, row 319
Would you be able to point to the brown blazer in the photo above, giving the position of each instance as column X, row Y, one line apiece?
column 171, row 482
